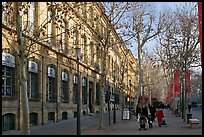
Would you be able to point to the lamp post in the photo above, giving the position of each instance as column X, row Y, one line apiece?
column 78, row 54
column 130, row 96
column 114, row 111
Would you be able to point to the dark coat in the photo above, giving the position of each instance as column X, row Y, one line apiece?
column 138, row 110
column 145, row 112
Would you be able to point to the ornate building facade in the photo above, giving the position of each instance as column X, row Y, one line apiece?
column 51, row 32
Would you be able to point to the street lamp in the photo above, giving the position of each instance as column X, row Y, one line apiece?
column 78, row 54
column 130, row 96
column 114, row 111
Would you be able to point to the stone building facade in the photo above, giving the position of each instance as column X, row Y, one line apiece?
column 52, row 31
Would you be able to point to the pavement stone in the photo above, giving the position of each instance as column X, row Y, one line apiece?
column 175, row 126
column 89, row 126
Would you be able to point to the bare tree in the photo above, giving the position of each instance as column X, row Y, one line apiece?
column 180, row 45
column 195, row 94
column 145, row 27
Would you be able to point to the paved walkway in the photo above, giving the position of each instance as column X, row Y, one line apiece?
column 175, row 126
column 89, row 126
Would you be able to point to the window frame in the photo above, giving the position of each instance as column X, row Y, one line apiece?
column 4, row 78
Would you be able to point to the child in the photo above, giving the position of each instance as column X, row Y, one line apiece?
column 150, row 121
column 143, row 120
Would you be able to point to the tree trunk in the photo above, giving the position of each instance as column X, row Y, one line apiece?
column 102, row 90
column 24, row 109
column 140, row 75
column 185, row 91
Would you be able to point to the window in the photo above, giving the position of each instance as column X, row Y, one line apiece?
column 64, row 115
column 75, row 37
column 32, row 84
column 31, row 18
column 33, row 78
column 109, row 62
column 8, row 65
column 64, row 87
column 84, row 91
column 49, row 28
column 97, row 94
column 51, row 88
column 7, row 89
column 51, row 116
column 4, row 12
column 62, row 42
column 75, row 89
column 51, row 84
column 97, row 54
column 91, row 53
column 33, row 119
column 63, row 36
column 84, row 48
column 8, row 14
column 107, row 95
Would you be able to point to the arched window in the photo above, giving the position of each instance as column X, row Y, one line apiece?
column 51, row 93
column 75, row 86
column 33, row 80
column 64, row 87
column 84, row 90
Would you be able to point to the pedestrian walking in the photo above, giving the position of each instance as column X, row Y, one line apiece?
column 143, row 117
column 152, row 110
column 160, row 115
column 138, row 111
column 189, row 107
column 144, row 111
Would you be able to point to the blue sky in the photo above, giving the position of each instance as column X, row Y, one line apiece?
column 168, row 5
column 160, row 7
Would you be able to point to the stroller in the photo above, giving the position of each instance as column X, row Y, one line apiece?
column 150, row 121
column 143, row 121
column 163, row 122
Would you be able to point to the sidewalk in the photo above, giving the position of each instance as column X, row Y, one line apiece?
column 89, row 126
column 175, row 126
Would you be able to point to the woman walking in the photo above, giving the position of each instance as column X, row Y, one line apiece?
column 160, row 115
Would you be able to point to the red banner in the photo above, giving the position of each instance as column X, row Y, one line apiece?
column 200, row 26
column 176, row 82
column 187, row 75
